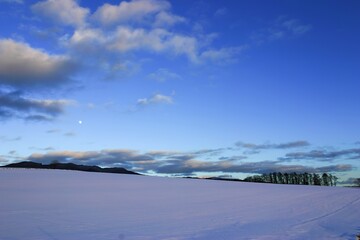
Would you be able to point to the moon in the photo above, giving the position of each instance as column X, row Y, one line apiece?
column 80, row 122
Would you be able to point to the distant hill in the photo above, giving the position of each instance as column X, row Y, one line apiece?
column 216, row 178
column 69, row 166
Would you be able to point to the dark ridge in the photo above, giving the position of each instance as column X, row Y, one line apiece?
column 217, row 178
column 69, row 166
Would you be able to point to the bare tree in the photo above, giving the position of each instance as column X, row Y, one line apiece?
column 357, row 182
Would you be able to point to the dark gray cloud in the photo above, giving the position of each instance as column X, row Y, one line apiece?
column 14, row 104
column 252, row 146
column 323, row 155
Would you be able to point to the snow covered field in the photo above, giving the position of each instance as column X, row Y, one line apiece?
column 71, row 205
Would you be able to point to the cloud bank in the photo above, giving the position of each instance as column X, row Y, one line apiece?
column 164, row 162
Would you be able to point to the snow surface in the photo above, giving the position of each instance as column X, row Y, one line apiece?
column 71, row 205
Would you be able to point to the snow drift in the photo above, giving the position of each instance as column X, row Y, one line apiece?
column 71, row 205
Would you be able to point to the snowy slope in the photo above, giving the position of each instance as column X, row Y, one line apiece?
column 70, row 205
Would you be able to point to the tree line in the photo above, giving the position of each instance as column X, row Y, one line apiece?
column 324, row 179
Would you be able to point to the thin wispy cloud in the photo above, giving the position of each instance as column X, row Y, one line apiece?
column 223, row 55
column 53, row 130
column 43, row 148
column 69, row 134
column 221, row 12
column 155, row 99
column 10, row 139
column 163, row 75
column 283, row 27
column 287, row 145
column 12, row 1
column 324, row 155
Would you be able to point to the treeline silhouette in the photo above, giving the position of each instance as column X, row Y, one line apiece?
column 324, row 179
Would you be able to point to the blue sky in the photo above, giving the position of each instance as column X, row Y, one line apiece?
column 182, row 87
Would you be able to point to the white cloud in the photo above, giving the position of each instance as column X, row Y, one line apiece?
column 22, row 65
column 134, row 10
column 125, row 39
column 66, row 12
column 129, row 39
column 184, row 45
column 223, row 55
column 87, row 35
column 88, row 41
column 167, row 19
column 156, row 99
column 141, row 25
